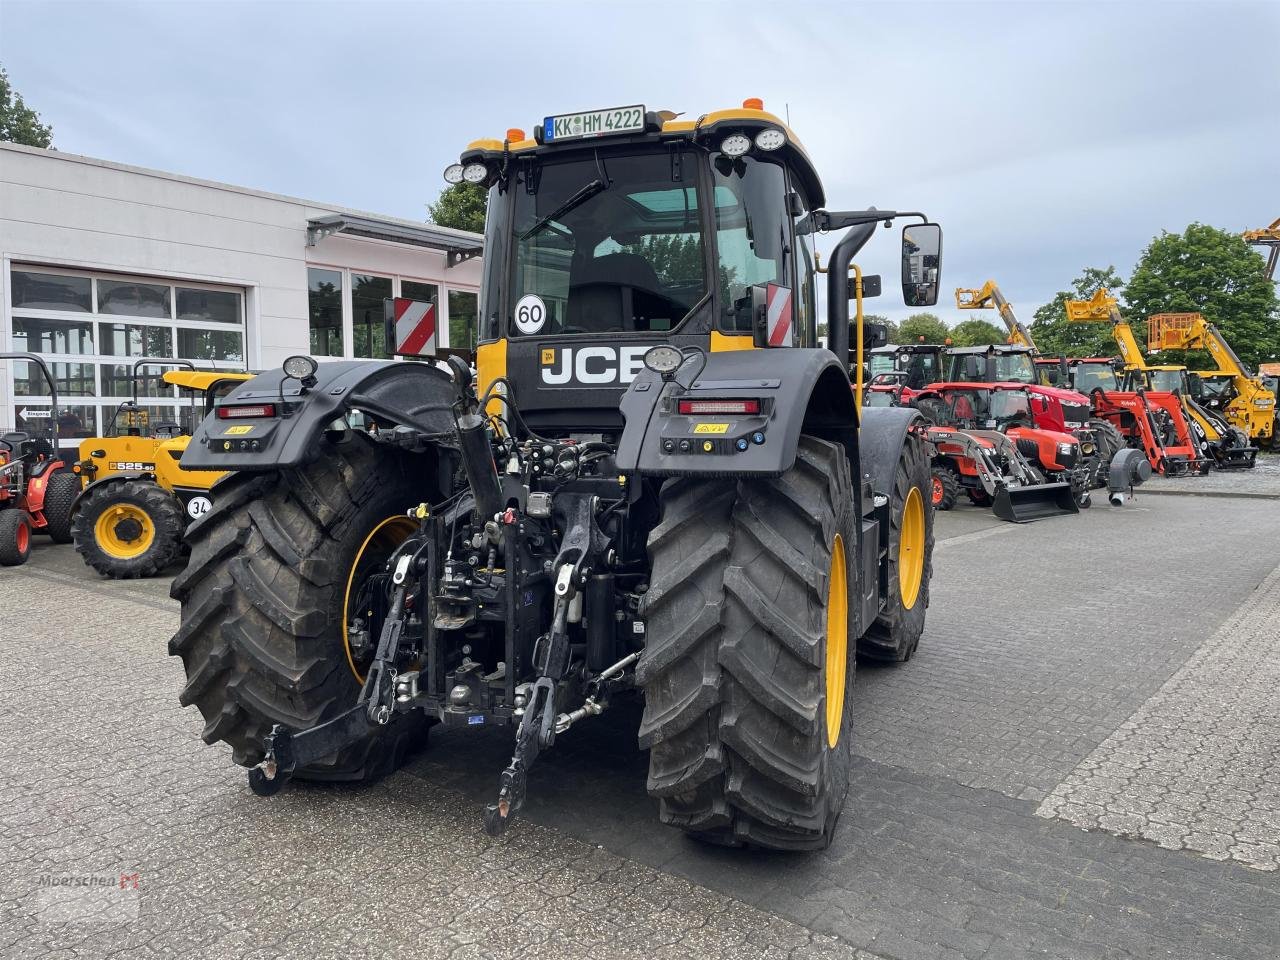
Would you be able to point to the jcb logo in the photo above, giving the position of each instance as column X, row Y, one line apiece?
column 592, row 366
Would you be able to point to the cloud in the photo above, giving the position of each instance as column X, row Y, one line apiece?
column 1044, row 136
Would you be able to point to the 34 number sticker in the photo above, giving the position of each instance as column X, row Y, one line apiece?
column 531, row 313
column 197, row 507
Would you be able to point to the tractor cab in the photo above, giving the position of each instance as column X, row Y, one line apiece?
column 610, row 232
column 992, row 363
column 914, row 365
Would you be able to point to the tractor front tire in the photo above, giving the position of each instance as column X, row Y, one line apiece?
column 15, row 537
column 59, row 497
column 263, row 600
column 128, row 529
column 748, row 666
column 944, row 486
column 896, row 633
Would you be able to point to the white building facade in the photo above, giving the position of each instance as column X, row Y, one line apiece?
column 102, row 265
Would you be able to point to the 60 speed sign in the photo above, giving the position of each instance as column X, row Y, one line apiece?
column 531, row 313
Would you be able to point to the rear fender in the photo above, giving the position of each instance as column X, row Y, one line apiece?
column 800, row 391
column 414, row 395
column 884, row 432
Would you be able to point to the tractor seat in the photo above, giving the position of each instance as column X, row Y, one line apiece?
column 166, row 430
column 602, row 292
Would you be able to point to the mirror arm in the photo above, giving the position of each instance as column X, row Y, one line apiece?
column 823, row 220
column 838, row 286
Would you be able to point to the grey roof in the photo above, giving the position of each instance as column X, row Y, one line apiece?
column 457, row 244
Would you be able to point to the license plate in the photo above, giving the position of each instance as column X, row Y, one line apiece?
column 593, row 123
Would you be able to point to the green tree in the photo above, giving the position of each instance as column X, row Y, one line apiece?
column 923, row 328
column 976, row 332
column 1054, row 335
column 1213, row 272
column 18, row 122
column 460, row 206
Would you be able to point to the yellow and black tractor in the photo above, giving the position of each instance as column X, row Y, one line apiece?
column 658, row 485
column 129, row 518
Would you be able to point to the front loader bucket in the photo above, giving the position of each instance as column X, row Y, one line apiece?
column 1024, row 504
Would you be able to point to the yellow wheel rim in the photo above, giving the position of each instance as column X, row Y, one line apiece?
column 911, row 549
column 124, row 531
column 377, row 546
column 837, row 640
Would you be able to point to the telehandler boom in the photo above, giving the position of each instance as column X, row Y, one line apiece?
column 988, row 296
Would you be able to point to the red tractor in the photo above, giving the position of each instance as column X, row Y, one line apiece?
column 37, row 488
column 1050, row 469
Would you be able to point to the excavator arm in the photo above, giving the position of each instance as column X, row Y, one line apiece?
column 988, row 296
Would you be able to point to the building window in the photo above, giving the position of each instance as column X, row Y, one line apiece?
column 52, row 336
column 129, row 299
column 91, row 350
column 128, row 340
column 324, row 311
column 462, row 320
column 416, row 290
column 51, row 291
column 71, row 379
column 225, row 345
column 368, row 324
column 211, row 306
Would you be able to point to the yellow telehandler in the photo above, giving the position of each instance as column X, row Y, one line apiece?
column 136, row 502
column 1243, row 398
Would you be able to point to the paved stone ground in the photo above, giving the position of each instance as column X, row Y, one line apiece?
column 1263, row 480
column 1043, row 641
column 1195, row 767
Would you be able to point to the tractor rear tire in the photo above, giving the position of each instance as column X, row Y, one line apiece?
column 263, row 597
column 896, row 633
column 944, row 486
column 15, row 537
column 59, row 497
column 107, row 546
column 1110, row 441
column 748, row 670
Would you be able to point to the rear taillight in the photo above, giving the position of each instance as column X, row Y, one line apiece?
column 240, row 411
column 695, row 407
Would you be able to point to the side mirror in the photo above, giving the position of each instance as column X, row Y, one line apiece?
column 921, row 264
column 874, row 335
column 973, row 368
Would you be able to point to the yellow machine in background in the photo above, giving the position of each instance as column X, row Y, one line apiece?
column 1214, row 435
column 136, row 503
column 988, row 296
column 1268, row 237
column 1250, row 406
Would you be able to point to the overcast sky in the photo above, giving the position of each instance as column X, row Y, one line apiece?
column 1044, row 137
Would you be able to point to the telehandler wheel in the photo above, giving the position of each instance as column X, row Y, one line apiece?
column 59, row 497
column 748, row 671
column 896, row 632
column 128, row 529
column 944, row 487
column 262, row 635
column 15, row 537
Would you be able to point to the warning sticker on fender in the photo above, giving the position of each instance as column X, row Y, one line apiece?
column 710, row 428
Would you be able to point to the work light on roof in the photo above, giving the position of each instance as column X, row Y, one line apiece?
column 475, row 173
column 770, row 138
column 735, row 145
column 453, row 173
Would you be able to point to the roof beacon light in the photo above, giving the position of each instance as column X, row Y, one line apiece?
column 770, row 138
column 475, row 173
column 753, row 103
column 515, row 135
column 453, row 173
column 735, row 145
